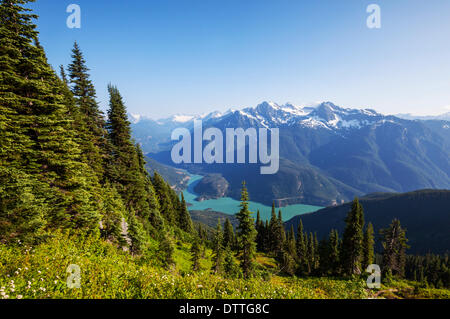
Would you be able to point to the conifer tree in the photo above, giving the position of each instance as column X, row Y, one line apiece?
column 323, row 252
column 218, row 257
column 230, row 266
column 165, row 202
column 291, row 244
column 394, row 248
column 152, row 205
column 334, row 253
column 247, row 235
column 185, row 220
column 281, row 227
column 44, row 182
column 92, row 123
column 260, row 232
column 136, row 234
column 302, row 249
column 352, row 241
column 166, row 251
column 311, row 253
column 114, row 211
column 277, row 234
column 228, row 235
column 368, row 243
column 195, row 255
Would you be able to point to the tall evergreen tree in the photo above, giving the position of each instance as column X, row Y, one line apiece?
column 185, row 220
column 163, row 195
column 195, row 255
column 92, row 123
column 301, row 249
column 166, row 251
column 368, row 243
column 247, row 235
column 276, row 233
column 394, row 248
column 260, row 238
column 43, row 179
column 228, row 235
column 291, row 244
column 352, row 241
column 312, row 253
column 218, row 253
column 334, row 253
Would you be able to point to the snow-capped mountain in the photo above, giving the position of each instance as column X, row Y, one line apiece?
column 270, row 114
column 328, row 154
column 441, row 117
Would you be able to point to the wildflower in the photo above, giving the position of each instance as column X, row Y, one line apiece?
column 19, row 296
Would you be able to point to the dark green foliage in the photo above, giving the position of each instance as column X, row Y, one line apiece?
column 218, row 252
column 352, row 241
column 277, row 235
column 290, row 245
column 184, row 218
column 163, row 194
column 90, row 122
column 231, row 268
column 334, row 252
column 432, row 270
column 40, row 157
column 246, row 235
column 136, row 234
column 302, row 254
column 114, row 212
column 127, row 171
column 195, row 255
column 394, row 249
column 228, row 234
column 368, row 247
column 166, row 250
column 414, row 209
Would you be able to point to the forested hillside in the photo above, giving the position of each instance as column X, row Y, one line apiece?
column 425, row 215
column 63, row 164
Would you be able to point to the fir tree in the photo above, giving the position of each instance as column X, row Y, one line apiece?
column 92, row 123
column 394, row 248
column 352, row 241
column 163, row 195
column 277, row 235
column 368, row 243
column 218, row 250
column 311, row 253
column 301, row 249
column 195, row 255
column 291, row 244
column 166, row 251
column 247, row 235
column 45, row 183
column 136, row 234
column 185, row 221
column 334, row 253
column 230, row 266
column 228, row 235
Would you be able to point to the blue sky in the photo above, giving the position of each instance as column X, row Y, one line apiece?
column 196, row 56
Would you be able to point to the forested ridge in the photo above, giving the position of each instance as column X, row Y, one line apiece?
column 74, row 189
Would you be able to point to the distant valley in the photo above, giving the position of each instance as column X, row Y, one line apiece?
column 329, row 154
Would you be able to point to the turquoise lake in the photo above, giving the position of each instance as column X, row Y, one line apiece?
column 230, row 206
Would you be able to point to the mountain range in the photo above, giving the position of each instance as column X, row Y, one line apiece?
column 328, row 154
